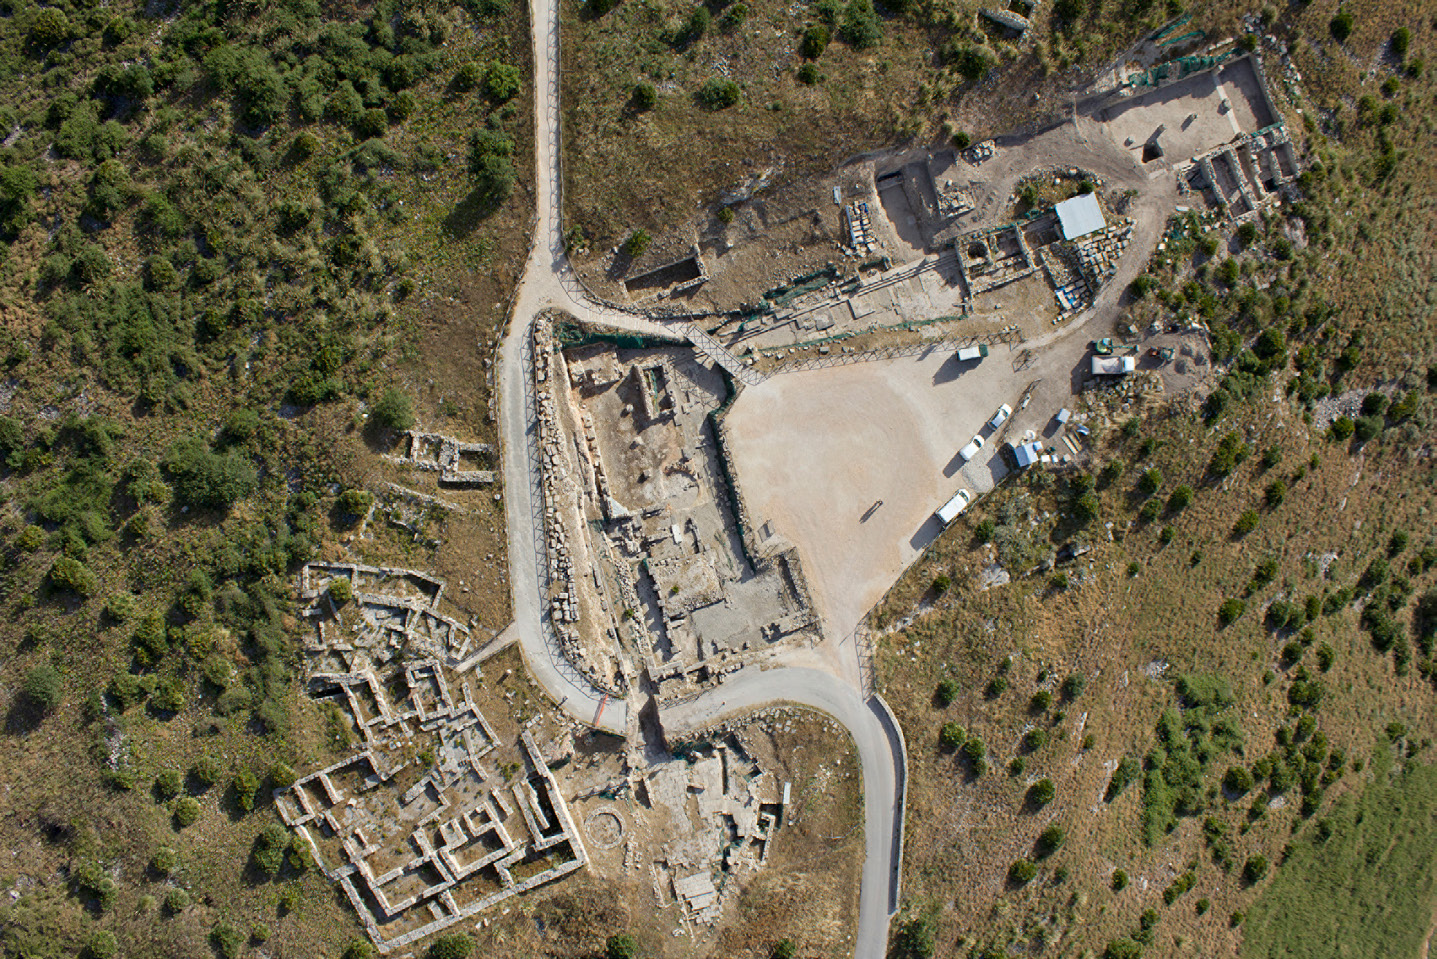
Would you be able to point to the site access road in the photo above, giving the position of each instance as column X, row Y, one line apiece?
column 548, row 283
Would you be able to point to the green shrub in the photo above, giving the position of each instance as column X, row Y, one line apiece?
column 717, row 94
column 245, row 785
column 186, row 811
column 1204, row 691
column 814, row 42
column 861, row 29
column 357, row 949
column 1254, row 869
column 340, row 590
column 1073, row 686
column 1342, row 428
column 637, row 243
column 1401, row 42
column 622, row 946
column 1040, row 702
column 1042, row 792
column 983, row 532
column 502, row 81
column 206, row 479
column 1120, row 880
column 734, row 16
column 371, row 123
column 915, row 939
column 784, row 949
column 1035, row 738
column 1230, row 452
column 30, row 539
column 74, row 576
column 946, row 692
column 1230, row 610
column 165, row 861
column 1367, row 427
column 646, row 96
column 808, row 74
column 1237, row 780
column 102, row 944
column 1180, row 499
column 393, row 411
column 1341, row 25
column 952, row 736
column 468, row 76
column 355, row 502
column 227, row 939
column 50, row 28
column 1150, row 482
column 972, row 62
column 1123, row 948
column 206, row 770
column 1050, row 840
column 42, row 688
column 1246, row 523
column 269, row 849
column 176, row 900
column 1022, row 872
column 491, row 165
column 697, row 24
column 168, row 785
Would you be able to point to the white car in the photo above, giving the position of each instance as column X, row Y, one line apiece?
column 1000, row 417
column 971, row 450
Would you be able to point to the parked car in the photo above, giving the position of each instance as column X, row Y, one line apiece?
column 1000, row 417
column 949, row 511
column 971, row 450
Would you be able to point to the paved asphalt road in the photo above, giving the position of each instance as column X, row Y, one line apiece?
column 549, row 283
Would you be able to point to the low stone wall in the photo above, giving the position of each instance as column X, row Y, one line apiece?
column 563, row 602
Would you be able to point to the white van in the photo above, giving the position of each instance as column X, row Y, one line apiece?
column 1000, row 417
column 949, row 511
column 971, row 450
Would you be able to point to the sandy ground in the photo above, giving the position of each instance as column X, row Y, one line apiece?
column 815, row 450
column 1199, row 98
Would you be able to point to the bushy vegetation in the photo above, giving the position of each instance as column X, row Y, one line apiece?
column 1189, row 739
column 210, row 217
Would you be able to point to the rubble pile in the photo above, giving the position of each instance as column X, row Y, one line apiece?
column 860, row 228
column 1098, row 252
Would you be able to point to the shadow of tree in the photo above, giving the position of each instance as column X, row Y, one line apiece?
column 470, row 213
column 23, row 717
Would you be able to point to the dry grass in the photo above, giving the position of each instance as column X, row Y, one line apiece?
column 1118, row 631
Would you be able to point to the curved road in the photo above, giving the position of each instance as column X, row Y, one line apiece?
column 549, row 283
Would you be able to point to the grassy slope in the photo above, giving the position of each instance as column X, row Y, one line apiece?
column 385, row 258
column 1368, row 889
column 1367, row 269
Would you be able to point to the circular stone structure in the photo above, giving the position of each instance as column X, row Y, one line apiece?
column 605, row 827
